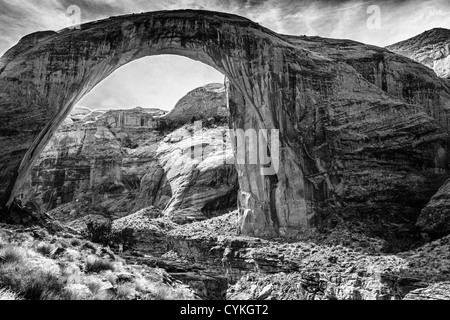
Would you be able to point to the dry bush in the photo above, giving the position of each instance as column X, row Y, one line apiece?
column 10, row 254
column 45, row 249
column 32, row 283
column 94, row 264
column 125, row 292
column 8, row 295
column 75, row 242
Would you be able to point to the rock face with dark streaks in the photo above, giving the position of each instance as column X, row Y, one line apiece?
column 356, row 138
column 432, row 48
column 435, row 217
column 120, row 161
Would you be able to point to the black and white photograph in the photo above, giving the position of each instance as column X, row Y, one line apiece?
column 226, row 156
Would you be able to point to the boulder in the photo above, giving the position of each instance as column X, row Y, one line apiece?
column 437, row 291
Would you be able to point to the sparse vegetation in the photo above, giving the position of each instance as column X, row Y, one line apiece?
column 10, row 254
column 98, row 232
column 125, row 291
column 124, row 237
column 75, row 242
column 8, row 295
column 29, row 270
column 102, row 233
column 89, row 245
column 32, row 283
column 94, row 264
column 162, row 292
column 45, row 249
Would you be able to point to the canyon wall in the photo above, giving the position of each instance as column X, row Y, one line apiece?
column 432, row 48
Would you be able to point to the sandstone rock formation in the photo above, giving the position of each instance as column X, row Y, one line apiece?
column 431, row 48
column 117, row 162
column 210, row 102
column 354, row 141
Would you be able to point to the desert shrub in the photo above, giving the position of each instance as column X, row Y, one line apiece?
column 98, row 232
column 166, row 293
column 32, row 283
column 75, row 242
column 125, row 292
column 94, row 264
column 124, row 237
column 94, row 284
column 102, row 233
column 89, row 245
column 11, row 255
column 45, row 249
column 8, row 295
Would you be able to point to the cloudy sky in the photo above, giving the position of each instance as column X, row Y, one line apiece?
column 161, row 81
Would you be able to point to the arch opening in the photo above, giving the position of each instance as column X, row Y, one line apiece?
column 73, row 62
column 118, row 159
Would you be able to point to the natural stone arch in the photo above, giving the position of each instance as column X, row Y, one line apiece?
column 326, row 112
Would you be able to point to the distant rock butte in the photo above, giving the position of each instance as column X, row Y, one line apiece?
column 431, row 48
column 363, row 131
column 213, row 107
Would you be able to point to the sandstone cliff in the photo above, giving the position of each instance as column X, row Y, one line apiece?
column 117, row 162
column 432, row 48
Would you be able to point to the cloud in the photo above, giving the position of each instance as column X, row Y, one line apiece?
column 341, row 19
column 162, row 82
column 400, row 20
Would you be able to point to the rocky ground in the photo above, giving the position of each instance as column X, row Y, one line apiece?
column 209, row 260
column 38, row 264
column 336, row 265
